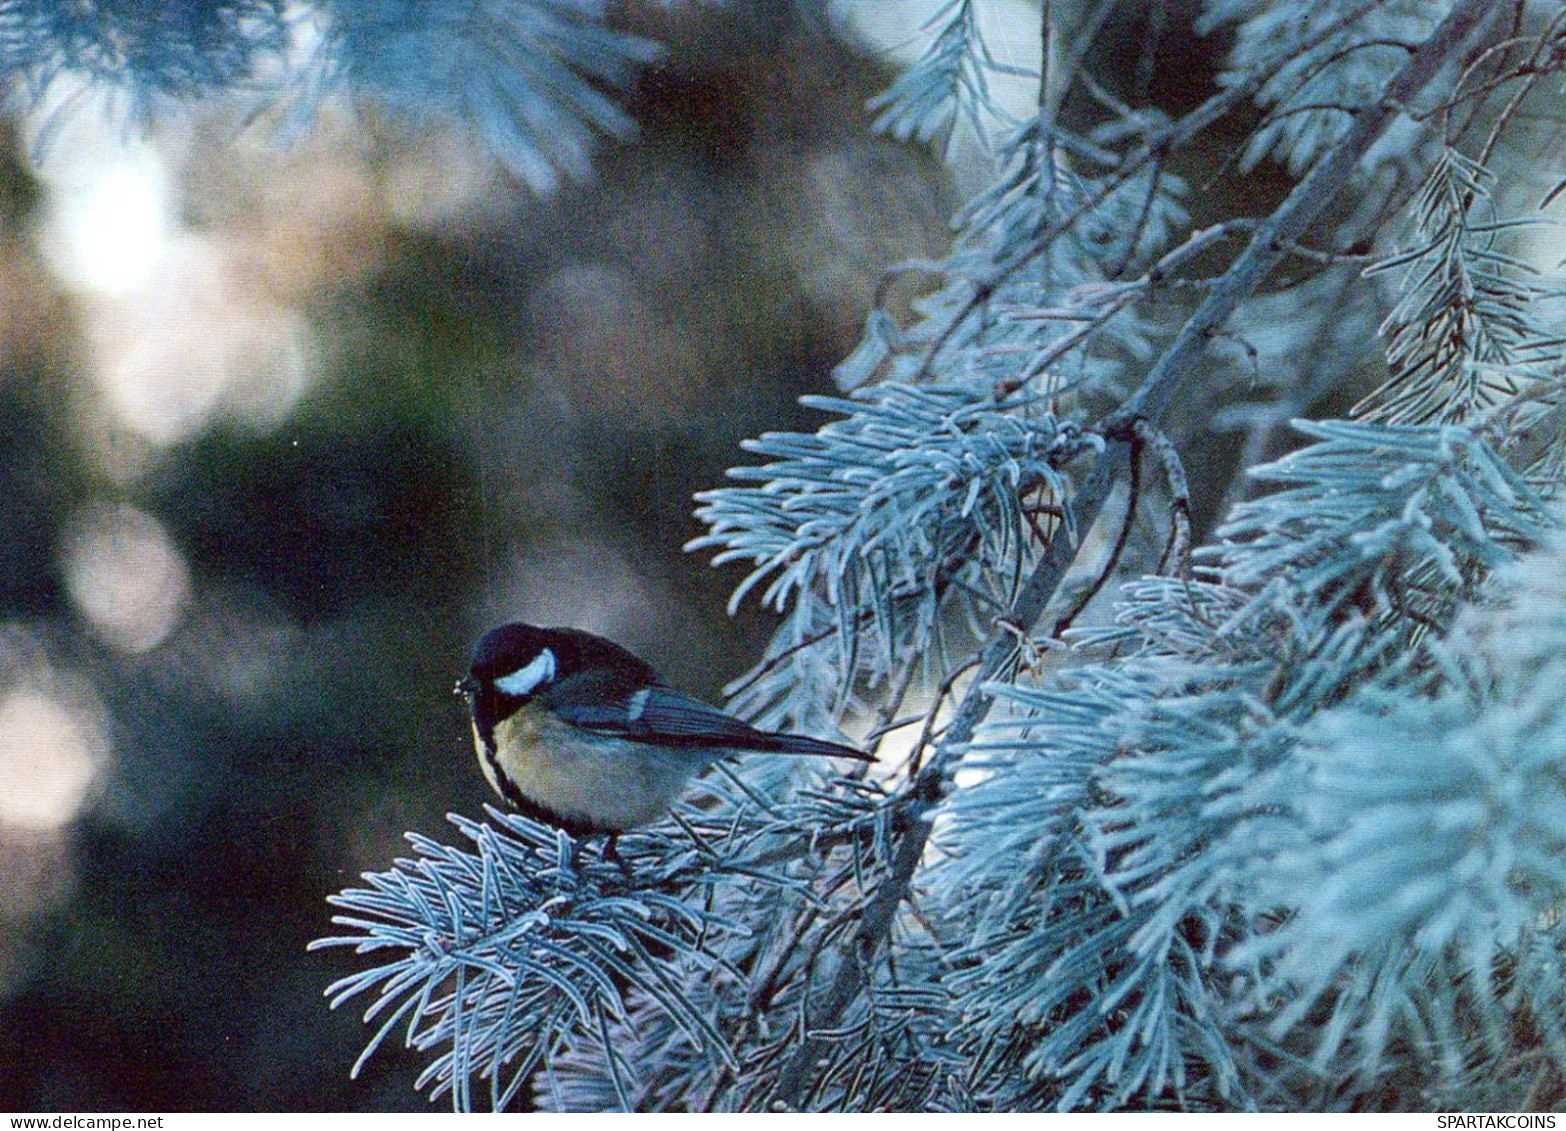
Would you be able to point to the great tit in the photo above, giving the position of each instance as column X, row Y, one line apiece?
column 574, row 730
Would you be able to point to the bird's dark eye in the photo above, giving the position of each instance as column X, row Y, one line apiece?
column 530, row 676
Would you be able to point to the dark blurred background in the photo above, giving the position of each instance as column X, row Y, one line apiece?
column 284, row 429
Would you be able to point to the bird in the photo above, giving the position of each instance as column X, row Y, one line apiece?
column 576, row 731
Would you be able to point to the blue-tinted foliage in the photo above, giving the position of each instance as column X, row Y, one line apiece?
column 505, row 950
column 948, row 80
column 924, row 499
column 146, row 50
column 1464, row 336
column 1396, row 520
column 1339, row 54
column 1133, row 842
column 1026, row 294
column 531, row 79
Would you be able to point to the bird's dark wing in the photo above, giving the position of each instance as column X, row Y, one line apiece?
column 618, row 704
column 673, row 717
column 602, row 701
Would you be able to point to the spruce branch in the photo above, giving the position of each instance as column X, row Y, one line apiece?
column 947, row 81
column 1270, row 243
column 1462, row 338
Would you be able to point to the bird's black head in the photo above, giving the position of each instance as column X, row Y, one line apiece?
column 513, row 663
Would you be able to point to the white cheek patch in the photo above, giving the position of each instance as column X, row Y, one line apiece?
column 525, row 680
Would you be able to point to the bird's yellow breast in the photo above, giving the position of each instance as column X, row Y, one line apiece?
column 597, row 780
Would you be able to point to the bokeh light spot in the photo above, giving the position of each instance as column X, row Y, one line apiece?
column 194, row 343
column 49, row 755
column 111, row 221
column 125, row 576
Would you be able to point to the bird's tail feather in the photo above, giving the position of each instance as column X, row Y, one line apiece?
column 816, row 747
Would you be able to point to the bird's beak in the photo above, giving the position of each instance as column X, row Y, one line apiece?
column 467, row 685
